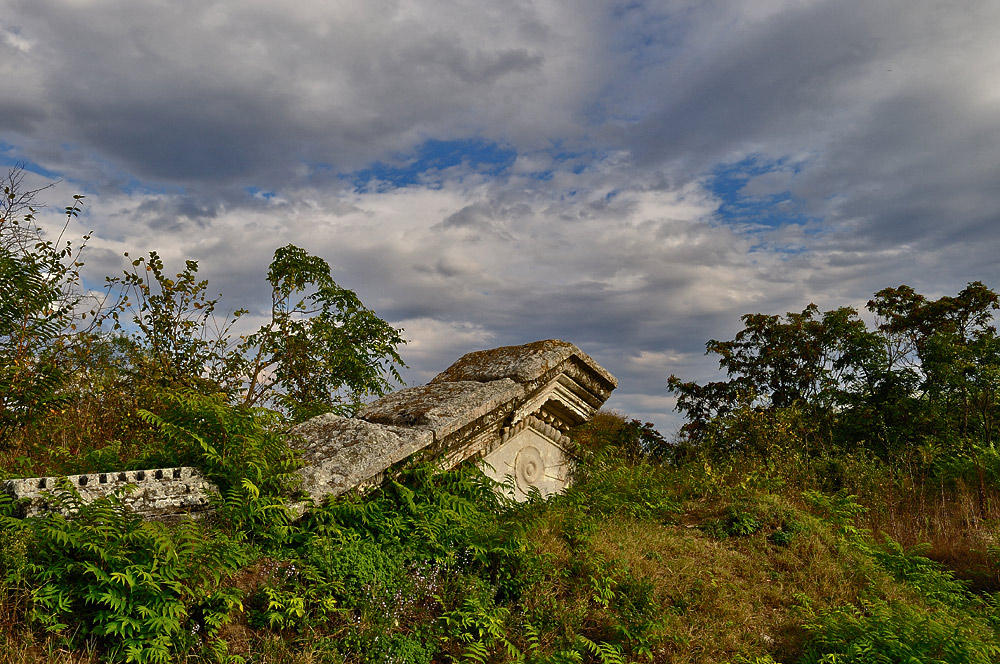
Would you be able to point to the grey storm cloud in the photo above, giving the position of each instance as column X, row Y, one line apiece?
column 219, row 130
column 189, row 92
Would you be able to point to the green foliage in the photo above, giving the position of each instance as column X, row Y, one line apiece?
column 950, row 625
column 243, row 450
column 880, row 631
column 759, row 514
column 481, row 627
column 36, row 311
column 613, row 474
column 31, row 320
column 947, row 349
column 633, row 563
column 606, row 488
column 170, row 385
column 631, row 440
column 928, row 373
column 415, row 548
column 840, row 509
column 178, row 341
column 807, row 360
column 322, row 350
column 444, row 550
column 142, row 590
column 936, row 585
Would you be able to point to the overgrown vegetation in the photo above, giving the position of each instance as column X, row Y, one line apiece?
column 834, row 501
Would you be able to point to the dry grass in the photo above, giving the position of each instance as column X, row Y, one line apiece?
column 955, row 521
column 957, row 524
column 718, row 598
column 18, row 646
column 95, row 429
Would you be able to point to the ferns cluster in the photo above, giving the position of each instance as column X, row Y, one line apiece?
column 31, row 319
column 142, row 590
column 243, row 450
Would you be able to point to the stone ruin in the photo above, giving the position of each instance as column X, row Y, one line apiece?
column 509, row 409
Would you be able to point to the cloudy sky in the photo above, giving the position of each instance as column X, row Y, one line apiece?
column 628, row 176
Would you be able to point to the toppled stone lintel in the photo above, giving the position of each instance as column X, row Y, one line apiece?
column 472, row 407
column 445, row 409
column 341, row 454
column 163, row 494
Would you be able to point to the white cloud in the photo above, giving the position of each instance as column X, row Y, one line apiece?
column 604, row 231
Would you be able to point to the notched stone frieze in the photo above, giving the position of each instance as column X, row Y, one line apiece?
column 159, row 493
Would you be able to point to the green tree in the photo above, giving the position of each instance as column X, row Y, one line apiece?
column 817, row 363
column 18, row 231
column 31, row 321
column 928, row 372
column 947, row 350
column 805, row 358
column 37, row 312
column 321, row 350
column 176, row 338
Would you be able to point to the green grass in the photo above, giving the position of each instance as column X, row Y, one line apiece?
column 638, row 562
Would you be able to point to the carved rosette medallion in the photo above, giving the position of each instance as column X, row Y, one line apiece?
column 531, row 456
column 529, row 468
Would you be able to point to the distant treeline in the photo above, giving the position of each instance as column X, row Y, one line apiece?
column 927, row 375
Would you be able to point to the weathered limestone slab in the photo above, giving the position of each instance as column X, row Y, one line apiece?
column 161, row 493
column 456, row 413
column 531, row 365
column 342, row 454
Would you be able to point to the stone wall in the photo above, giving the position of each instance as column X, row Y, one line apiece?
column 507, row 408
column 161, row 493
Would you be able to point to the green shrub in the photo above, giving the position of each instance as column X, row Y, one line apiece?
column 935, row 584
column 144, row 591
column 242, row 449
column 890, row 632
column 322, row 350
column 33, row 316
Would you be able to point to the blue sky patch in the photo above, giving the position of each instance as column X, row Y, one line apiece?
column 756, row 193
column 7, row 160
column 257, row 191
column 578, row 161
column 426, row 165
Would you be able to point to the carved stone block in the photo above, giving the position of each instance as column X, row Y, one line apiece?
column 161, row 493
column 530, row 454
column 342, row 454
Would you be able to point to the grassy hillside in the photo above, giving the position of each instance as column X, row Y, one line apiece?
column 642, row 560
